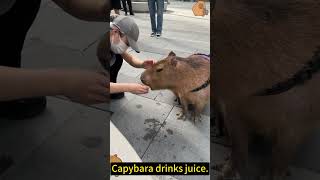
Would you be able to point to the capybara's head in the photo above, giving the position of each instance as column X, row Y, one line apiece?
column 162, row 74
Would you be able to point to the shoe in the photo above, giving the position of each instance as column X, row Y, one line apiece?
column 126, row 14
column 22, row 108
column 131, row 13
column 153, row 34
column 158, row 34
column 117, row 95
column 6, row 162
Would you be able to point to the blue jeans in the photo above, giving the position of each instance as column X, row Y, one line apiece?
column 156, row 26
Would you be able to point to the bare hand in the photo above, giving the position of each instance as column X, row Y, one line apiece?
column 148, row 63
column 85, row 87
column 136, row 88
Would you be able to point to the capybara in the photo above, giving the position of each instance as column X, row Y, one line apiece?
column 265, row 78
column 188, row 78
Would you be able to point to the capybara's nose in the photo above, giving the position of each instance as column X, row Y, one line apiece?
column 142, row 79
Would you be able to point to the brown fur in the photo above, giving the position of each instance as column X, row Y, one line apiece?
column 257, row 44
column 181, row 75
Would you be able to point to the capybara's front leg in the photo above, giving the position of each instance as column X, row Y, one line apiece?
column 184, row 104
column 192, row 111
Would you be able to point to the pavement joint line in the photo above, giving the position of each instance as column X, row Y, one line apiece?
column 162, row 124
column 158, row 101
column 145, row 97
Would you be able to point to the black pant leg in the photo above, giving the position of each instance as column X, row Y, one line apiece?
column 130, row 6
column 115, row 68
column 124, row 5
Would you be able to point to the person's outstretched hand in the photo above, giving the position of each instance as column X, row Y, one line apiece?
column 85, row 87
column 136, row 88
column 148, row 63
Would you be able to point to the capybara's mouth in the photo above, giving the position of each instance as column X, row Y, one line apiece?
column 147, row 84
column 142, row 79
column 144, row 82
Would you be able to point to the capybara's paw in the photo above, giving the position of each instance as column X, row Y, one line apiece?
column 182, row 116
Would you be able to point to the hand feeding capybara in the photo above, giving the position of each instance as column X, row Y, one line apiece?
column 188, row 78
column 266, row 45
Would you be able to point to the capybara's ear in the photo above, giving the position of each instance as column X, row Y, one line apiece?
column 172, row 53
column 174, row 62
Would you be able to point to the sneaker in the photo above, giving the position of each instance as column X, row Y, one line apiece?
column 117, row 95
column 153, row 34
column 22, row 108
column 131, row 13
column 158, row 34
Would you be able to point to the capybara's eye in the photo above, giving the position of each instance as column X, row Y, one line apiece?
column 159, row 70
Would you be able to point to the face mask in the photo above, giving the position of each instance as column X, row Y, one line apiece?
column 118, row 48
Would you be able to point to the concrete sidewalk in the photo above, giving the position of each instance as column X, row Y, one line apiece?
column 149, row 121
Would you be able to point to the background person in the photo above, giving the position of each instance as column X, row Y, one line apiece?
column 124, row 5
column 156, row 7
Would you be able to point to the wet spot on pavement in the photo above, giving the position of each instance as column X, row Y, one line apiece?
column 169, row 131
column 152, row 129
column 151, row 120
column 150, row 134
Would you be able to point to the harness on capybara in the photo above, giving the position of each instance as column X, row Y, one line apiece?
column 299, row 78
column 206, row 84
